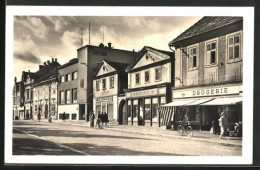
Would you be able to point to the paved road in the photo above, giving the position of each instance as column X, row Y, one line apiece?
column 41, row 138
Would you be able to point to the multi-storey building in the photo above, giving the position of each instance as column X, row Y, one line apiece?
column 150, row 78
column 88, row 58
column 18, row 104
column 45, row 90
column 108, row 83
column 68, row 84
column 209, row 71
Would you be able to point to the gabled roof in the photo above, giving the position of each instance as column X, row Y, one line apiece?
column 72, row 61
column 145, row 49
column 118, row 66
column 206, row 24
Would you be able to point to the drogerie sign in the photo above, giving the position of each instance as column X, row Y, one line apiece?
column 199, row 92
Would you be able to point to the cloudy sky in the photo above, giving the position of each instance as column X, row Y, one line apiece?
column 40, row 38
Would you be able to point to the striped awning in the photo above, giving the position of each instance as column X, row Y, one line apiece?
column 224, row 101
column 178, row 103
column 199, row 102
column 165, row 114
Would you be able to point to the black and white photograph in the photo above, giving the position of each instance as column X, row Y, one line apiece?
column 129, row 85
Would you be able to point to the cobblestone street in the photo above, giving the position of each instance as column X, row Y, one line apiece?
column 42, row 138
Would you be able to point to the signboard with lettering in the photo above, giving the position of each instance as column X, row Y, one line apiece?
column 144, row 93
column 203, row 92
column 109, row 98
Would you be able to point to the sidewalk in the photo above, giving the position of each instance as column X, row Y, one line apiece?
column 161, row 131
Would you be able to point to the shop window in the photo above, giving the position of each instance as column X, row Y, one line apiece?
column 67, row 96
column 97, row 85
column 137, row 78
column 158, row 74
column 155, row 106
column 98, row 110
column 74, row 96
column 111, row 79
column 110, row 111
column 234, row 47
column 192, row 58
column 74, row 75
column 146, row 76
column 211, row 53
column 73, row 116
column 135, row 110
column 129, row 111
column 62, row 79
column 103, row 84
column 67, row 77
column 62, row 101
column 147, row 110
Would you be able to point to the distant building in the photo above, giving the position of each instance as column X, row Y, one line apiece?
column 108, row 83
column 209, row 71
column 18, row 100
column 150, row 78
column 88, row 59
column 68, row 85
column 45, row 92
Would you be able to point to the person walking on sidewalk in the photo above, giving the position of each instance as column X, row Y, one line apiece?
column 63, row 116
column 223, row 123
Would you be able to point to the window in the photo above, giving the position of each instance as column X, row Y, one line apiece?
column 67, row 77
column 74, row 75
column 67, row 96
column 61, row 79
column 192, row 58
column 62, row 101
column 234, row 43
column 103, row 84
column 137, row 78
column 97, row 85
column 146, row 76
column 111, row 79
column 158, row 74
column 74, row 95
column 211, row 53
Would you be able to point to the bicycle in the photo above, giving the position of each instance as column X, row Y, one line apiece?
column 185, row 127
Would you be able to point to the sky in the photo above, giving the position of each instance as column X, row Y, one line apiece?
column 40, row 38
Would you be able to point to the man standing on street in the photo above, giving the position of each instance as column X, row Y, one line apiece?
column 223, row 123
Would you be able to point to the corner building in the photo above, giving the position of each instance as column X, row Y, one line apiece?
column 88, row 59
column 209, row 72
column 150, row 78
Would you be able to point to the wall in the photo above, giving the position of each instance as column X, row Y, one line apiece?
column 108, row 91
column 165, row 77
column 69, row 109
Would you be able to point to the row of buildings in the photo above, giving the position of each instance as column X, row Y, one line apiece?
column 198, row 79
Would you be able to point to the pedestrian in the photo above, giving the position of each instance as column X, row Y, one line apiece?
column 91, row 118
column 39, row 117
column 223, row 123
column 64, row 116
column 102, row 117
column 105, row 118
column 98, row 120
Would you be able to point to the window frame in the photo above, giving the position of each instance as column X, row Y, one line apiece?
column 240, row 34
column 196, row 46
column 160, row 69
column 103, row 84
column 60, row 101
column 111, row 86
column 73, row 75
column 97, row 85
column 208, row 58
column 68, row 77
column 66, row 96
column 72, row 96
column 149, row 76
column 139, row 82
column 62, row 79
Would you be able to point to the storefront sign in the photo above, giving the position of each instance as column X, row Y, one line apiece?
column 109, row 98
column 143, row 93
column 216, row 91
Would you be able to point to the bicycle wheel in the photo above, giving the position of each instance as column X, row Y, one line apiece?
column 180, row 129
column 189, row 130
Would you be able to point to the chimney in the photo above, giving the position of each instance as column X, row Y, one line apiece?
column 15, row 79
column 109, row 45
column 40, row 67
column 52, row 59
column 44, row 63
column 48, row 62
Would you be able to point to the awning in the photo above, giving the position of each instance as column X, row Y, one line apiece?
column 178, row 103
column 224, row 101
column 199, row 101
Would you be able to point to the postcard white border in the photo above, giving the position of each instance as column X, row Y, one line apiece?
column 248, row 56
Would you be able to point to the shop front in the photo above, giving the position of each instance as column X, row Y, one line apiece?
column 202, row 106
column 107, row 105
column 142, row 106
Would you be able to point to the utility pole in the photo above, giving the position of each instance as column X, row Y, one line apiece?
column 81, row 36
column 89, row 33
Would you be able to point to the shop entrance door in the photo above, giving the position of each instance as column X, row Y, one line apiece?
column 46, row 111
column 81, row 111
column 122, row 118
column 141, row 112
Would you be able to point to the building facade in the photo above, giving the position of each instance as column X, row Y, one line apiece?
column 18, row 100
column 88, row 59
column 209, row 71
column 150, row 78
column 45, row 90
column 68, row 85
column 108, row 82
